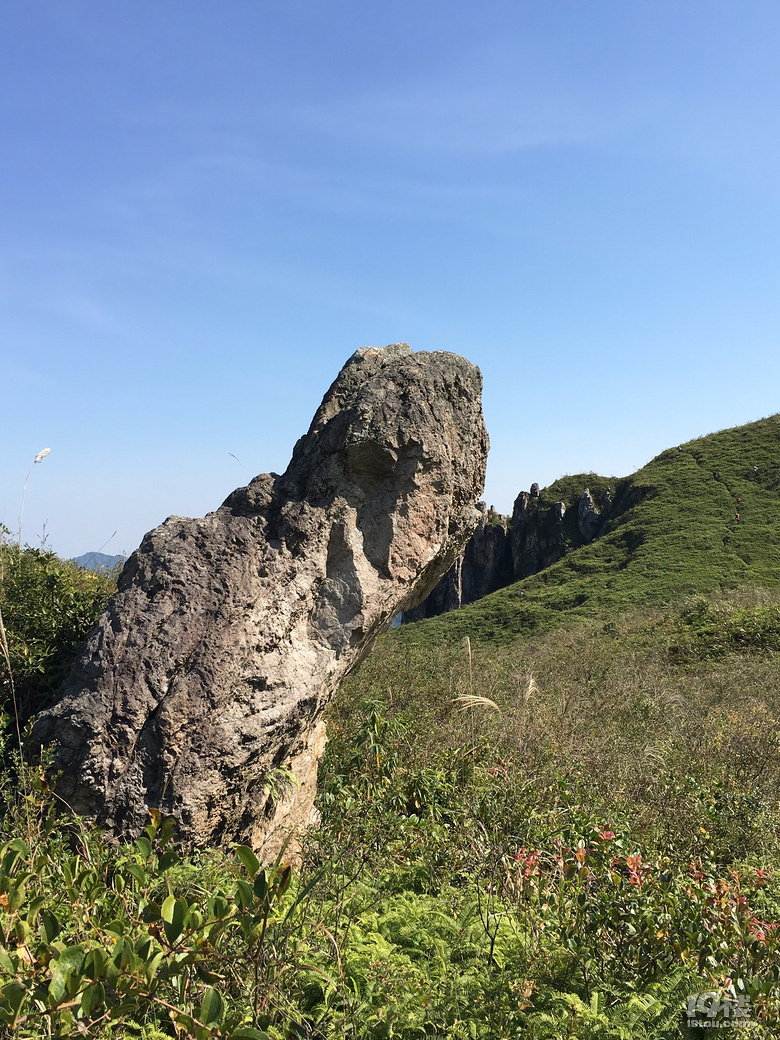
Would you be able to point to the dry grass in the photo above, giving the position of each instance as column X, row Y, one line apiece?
column 610, row 706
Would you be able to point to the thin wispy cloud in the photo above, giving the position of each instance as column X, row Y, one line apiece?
column 450, row 119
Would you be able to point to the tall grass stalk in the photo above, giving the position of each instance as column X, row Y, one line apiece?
column 7, row 658
column 467, row 645
column 38, row 458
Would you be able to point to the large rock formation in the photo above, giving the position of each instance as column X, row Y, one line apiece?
column 500, row 551
column 536, row 535
column 207, row 676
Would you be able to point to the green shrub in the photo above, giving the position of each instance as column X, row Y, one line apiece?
column 95, row 938
column 48, row 607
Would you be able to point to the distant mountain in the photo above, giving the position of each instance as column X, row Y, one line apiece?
column 98, row 561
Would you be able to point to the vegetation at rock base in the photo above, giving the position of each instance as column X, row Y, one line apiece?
column 565, row 829
column 49, row 606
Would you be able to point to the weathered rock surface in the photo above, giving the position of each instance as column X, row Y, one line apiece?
column 212, row 666
column 504, row 550
column 499, row 552
column 588, row 516
column 537, row 536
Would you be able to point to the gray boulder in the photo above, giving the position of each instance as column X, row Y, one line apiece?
column 204, row 683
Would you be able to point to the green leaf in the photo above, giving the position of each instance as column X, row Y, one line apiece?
column 212, row 1010
column 95, row 963
column 137, row 872
column 152, row 964
column 69, row 960
column 11, row 1000
column 167, row 909
column 185, row 1021
column 93, row 997
column 71, row 957
column 248, row 858
column 16, row 894
column 166, row 832
column 244, row 894
column 151, row 912
column 34, row 909
column 167, row 860
column 123, row 956
column 219, row 907
column 248, row 1033
column 17, row 845
column 174, row 914
column 144, row 846
column 49, row 926
column 261, row 885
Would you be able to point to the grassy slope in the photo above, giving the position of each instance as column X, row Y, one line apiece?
column 616, row 699
column 672, row 533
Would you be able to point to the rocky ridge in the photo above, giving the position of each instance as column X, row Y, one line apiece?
column 504, row 549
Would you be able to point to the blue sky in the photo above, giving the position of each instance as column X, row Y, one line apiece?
column 205, row 208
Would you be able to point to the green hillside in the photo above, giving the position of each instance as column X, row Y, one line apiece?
column 672, row 532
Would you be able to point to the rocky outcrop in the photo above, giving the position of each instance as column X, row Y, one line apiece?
column 503, row 550
column 487, row 559
column 499, row 552
column 206, row 678
column 588, row 516
column 537, row 536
